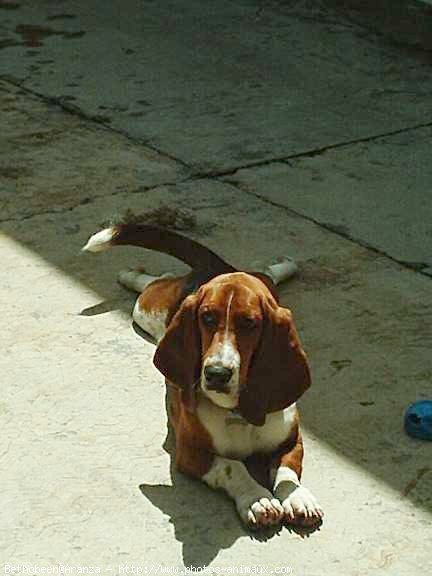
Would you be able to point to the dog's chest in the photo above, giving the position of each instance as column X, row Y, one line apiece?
column 235, row 438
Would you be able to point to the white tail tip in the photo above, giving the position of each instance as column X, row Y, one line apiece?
column 100, row 241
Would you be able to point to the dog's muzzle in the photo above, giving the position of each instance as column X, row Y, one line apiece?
column 217, row 378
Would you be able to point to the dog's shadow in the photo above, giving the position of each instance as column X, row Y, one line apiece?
column 205, row 521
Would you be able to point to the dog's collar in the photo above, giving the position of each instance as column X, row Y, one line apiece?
column 234, row 417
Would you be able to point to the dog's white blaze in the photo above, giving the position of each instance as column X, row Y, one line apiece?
column 227, row 314
column 99, row 241
column 228, row 356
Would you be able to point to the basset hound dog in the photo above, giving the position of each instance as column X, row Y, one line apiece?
column 235, row 367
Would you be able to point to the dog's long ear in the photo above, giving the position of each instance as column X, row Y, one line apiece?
column 279, row 372
column 178, row 355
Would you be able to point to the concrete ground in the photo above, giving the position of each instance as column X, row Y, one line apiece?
column 294, row 127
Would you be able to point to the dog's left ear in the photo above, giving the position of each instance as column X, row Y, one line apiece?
column 178, row 356
column 279, row 373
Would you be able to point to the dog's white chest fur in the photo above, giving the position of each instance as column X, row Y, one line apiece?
column 237, row 439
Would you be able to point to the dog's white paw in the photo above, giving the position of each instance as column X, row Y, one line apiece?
column 261, row 509
column 284, row 268
column 301, row 508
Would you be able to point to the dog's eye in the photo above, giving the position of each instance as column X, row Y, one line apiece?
column 247, row 322
column 209, row 319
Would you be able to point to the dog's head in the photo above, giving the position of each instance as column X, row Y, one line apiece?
column 234, row 342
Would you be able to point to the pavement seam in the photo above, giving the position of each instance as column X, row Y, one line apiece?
column 88, row 200
column 418, row 267
column 415, row 48
column 333, row 229
column 307, row 153
column 222, row 174
column 79, row 113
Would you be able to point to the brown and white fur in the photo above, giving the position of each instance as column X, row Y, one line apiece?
column 235, row 366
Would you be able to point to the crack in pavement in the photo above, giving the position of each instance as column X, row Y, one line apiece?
column 285, row 159
column 94, row 119
column 89, row 200
column 76, row 111
column 419, row 267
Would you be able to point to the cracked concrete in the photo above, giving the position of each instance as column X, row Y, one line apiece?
column 208, row 94
column 194, row 107
column 374, row 192
column 33, row 131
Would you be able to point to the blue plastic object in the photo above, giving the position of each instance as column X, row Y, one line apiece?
column 418, row 420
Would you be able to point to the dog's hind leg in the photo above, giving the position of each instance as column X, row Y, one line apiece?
column 281, row 270
column 284, row 268
column 153, row 322
column 137, row 280
column 160, row 297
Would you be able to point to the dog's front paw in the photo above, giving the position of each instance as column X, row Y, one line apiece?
column 258, row 510
column 302, row 509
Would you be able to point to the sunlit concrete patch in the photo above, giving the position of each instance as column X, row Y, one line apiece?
column 72, row 410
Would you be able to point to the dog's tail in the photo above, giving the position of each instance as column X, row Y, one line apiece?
column 152, row 237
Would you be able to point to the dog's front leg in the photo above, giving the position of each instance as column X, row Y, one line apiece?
column 195, row 456
column 255, row 504
column 299, row 504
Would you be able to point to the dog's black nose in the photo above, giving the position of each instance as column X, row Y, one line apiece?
column 217, row 376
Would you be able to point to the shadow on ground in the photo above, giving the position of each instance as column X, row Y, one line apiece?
column 203, row 535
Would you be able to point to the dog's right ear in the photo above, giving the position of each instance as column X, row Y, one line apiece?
column 178, row 356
